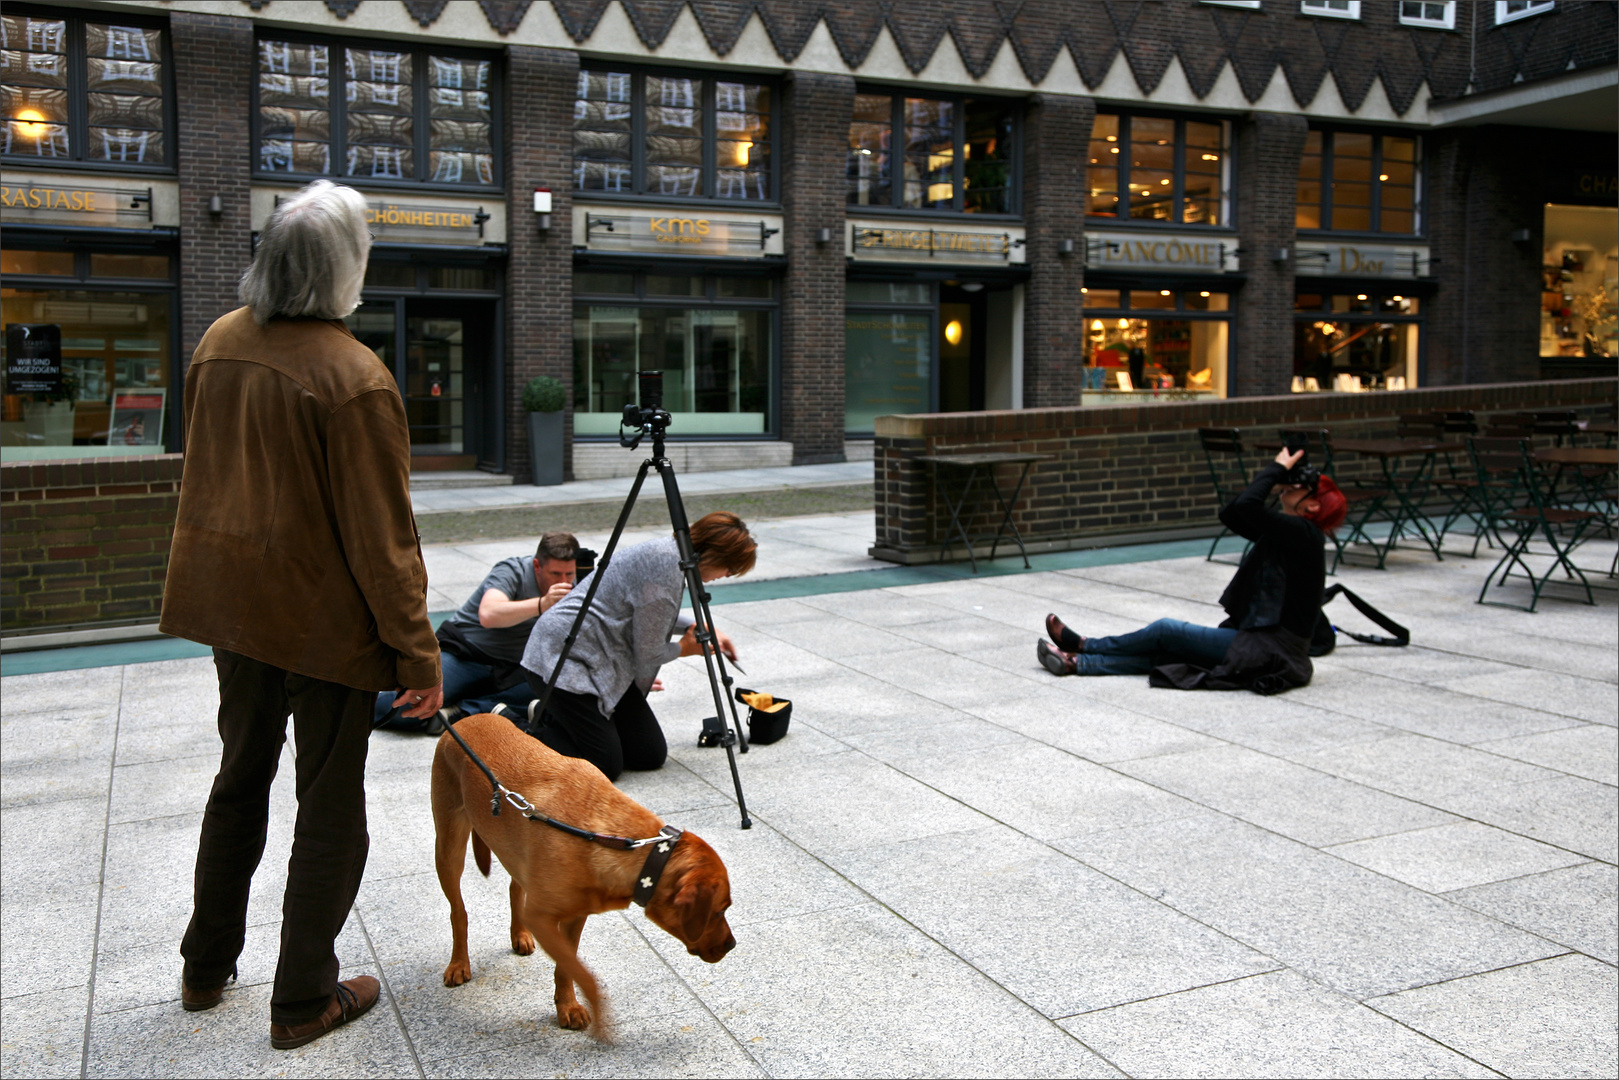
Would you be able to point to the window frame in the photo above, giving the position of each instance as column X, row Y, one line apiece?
column 709, row 77
column 78, row 90
column 1228, row 210
column 896, row 190
column 420, row 118
column 710, row 300
column 1419, row 216
column 1311, row 7
column 1536, row 7
column 1446, row 23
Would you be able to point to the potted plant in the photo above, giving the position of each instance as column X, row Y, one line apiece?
column 543, row 399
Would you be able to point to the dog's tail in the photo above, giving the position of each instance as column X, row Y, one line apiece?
column 480, row 854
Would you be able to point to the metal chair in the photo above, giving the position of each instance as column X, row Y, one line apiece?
column 1458, row 481
column 1518, row 508
column 1364, row 502
column 1228, row 469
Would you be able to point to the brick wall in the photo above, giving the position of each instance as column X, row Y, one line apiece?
column 85, row 541
column 541, row 85
column 815, row 138
column 1268, row 149
column 213, row 69
column 1056, row 149
column 1138, row 471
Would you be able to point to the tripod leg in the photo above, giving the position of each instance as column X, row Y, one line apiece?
column 590, row 594
column 704, row 629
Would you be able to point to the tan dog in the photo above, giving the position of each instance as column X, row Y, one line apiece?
column 559, row 880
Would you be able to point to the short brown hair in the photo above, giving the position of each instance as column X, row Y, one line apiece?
column 557, row 545
column 722, row 539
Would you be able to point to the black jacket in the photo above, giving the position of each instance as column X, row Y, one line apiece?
column 1274, row 600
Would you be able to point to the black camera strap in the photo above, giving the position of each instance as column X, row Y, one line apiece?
column 1402, row 636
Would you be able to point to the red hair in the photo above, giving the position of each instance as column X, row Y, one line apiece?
column 1331, row 506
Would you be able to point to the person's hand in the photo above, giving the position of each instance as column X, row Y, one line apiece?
column 688, row 642
column 424, row 702
column 553, row 594
column 1288, row 458
column 726, row 646
column 657, row 684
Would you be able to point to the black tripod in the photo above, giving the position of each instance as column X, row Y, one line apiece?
column 651, row 419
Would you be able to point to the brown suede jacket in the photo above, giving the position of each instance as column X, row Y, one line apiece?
column 295, row 543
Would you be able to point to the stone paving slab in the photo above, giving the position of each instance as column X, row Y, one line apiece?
column 959, row 864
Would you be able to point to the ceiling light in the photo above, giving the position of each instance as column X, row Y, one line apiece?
column 1096, row 324
column 952, row 331
column 1360, row 296
column 1385, row 176
column 1202, row 294
column 1124, row 324
column 1163, row 292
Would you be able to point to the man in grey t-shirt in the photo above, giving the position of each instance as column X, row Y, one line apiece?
column 481, row 645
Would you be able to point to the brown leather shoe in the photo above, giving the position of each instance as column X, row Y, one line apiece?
column 354, row 997
column 195, row 1000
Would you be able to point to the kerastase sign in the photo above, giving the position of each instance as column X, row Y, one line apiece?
column 76, row 204
column 889, row 242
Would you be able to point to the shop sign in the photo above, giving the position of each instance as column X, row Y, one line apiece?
column 1594, row 184
column 404, row 220
column 76, row 204
column 1160, row 251
column 34, row 358
column 678, row 233
column 890, row 242
column 1361, row 260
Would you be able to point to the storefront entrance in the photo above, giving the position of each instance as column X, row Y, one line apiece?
column 442, row 353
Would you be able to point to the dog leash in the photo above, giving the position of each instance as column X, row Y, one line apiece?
column 663, row 845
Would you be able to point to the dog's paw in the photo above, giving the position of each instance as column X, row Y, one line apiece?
column 573, row 1016
column 523, row 944
column 457, row 973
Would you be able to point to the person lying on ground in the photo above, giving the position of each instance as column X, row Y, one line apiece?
column 1272, row 603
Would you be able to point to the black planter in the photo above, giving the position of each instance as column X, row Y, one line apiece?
column 545, row 447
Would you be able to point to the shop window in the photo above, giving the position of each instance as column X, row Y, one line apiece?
column 1355, row 341
column 1335, row 9
column 890, row 333
column 336, row 108
column 1353, row 181
column 1436, row 16
column 100, row 383
column 714, row 345
column 672, row 134
column 1154, row 344
column 1152, row 168
column 1579, row 299
column 944, row 154
column 83, row 90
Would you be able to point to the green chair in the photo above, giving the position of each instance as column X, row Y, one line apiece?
column 1228, row 469
column 1518, row 512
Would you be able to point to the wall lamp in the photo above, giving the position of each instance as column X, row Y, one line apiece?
column 1065, row 248
column 542, row 208
column 1281, row 255
column 823, row 236
column 216, row 206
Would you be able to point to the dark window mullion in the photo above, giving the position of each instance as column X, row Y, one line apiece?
column 710, row 156
column 1377, row 183
column 1122, row 180
column 896, row 152
column 1326, row 179
column 337, row 86
column 1177, row 211
column 958, row 171
column 422, row 109
column 78, row 93
column 637, row 133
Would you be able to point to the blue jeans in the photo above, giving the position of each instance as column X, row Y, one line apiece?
column 469, row 686
column 1167, row 641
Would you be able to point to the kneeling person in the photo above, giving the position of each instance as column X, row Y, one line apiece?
column 599, row 710
column 482, row 643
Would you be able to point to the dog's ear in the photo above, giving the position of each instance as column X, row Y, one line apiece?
column 694, row 904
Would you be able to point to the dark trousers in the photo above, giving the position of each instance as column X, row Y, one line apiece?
column 573, row 726
column 331, row 725
column 1167, row 641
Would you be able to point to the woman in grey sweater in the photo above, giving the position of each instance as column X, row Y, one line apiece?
column 598, row 710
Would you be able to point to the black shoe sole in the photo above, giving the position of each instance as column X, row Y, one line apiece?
column 1052, row 660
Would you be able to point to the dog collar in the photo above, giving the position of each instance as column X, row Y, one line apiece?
column 646, row 882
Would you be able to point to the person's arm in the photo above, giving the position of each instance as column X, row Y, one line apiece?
column 1247, row 515
column 497, row 610
column 368, row 463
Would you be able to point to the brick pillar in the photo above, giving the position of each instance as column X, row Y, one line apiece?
column 540, row 88
column 213, row 73
column 1268, row 149
column 1483, row 323
column 815, row 136
column 1056, row 150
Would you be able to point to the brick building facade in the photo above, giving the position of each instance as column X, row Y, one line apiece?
column 715, row 213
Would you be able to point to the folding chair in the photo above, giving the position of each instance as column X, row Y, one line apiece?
column 1228, row 469
column 1364, row 502
column 1459, row 483
column 1517, row 508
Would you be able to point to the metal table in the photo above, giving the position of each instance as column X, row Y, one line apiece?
column 1409, row 491
column 969, row 467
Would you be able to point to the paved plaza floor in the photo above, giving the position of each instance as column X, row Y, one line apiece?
column 959, row 864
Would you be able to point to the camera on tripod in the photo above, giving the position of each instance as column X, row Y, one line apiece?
column 1302, row 474
column 647, row 418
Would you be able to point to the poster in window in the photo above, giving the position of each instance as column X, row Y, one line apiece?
column 137, row 418
column 34, row 358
